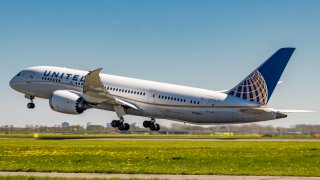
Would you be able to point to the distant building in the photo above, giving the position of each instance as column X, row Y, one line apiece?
column 65, row 124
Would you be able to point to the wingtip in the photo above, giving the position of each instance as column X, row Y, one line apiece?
column 96, row 70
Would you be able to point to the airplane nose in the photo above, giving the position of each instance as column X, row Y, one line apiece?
column 11, row 83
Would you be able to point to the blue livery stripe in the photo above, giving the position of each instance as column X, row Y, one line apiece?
column 260, row 84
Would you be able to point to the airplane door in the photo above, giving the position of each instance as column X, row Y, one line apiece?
column 152, row 96
column 210, row 105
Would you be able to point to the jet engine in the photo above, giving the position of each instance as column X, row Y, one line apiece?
column 67, row 102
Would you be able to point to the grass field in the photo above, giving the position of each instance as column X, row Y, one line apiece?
column 48, row 178
column 165, row 157
column 56, row 178
column 151, row 136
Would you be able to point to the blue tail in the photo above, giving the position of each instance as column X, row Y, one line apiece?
column 260, row 84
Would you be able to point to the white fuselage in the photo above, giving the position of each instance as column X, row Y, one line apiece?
column 157, row 100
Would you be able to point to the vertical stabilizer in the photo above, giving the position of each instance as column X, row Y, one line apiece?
column 260, row 84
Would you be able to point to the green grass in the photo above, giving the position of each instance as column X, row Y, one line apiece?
column 54, row 178
column 151, row 136
column 162, row 157
column 147, row 136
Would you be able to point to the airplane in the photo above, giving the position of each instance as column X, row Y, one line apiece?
column 73, row 91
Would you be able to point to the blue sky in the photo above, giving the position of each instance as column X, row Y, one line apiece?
column 206, row 44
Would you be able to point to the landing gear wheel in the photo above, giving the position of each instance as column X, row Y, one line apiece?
column 146, row 124
column 157, row 127
column 31, row 105
column 121, row 127
column 115, row 123
column 126, row 126
column 152, row 127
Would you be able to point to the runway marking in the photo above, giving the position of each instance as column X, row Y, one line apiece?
column 152, row 176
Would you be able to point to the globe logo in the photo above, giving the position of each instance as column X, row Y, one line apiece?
column 253, row 88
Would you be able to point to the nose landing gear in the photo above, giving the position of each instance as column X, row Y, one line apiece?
column 30, row 105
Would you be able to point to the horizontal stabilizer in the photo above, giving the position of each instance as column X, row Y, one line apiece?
column 294, row 111
column 253, row 111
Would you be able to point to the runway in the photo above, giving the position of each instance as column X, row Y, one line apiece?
column 152, row 176
column 204, row 139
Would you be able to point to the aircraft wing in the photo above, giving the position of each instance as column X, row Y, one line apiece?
column 95, row 92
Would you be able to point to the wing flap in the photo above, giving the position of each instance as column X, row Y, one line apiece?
column 128, row 104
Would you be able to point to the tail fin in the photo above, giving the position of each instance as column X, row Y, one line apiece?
column 259, row 85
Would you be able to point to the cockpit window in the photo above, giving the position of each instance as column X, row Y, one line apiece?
column 21, row 73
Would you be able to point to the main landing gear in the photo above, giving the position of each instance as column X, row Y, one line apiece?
column 125, row 126
column 152, row 125
column 120, row 124
column 30, row 105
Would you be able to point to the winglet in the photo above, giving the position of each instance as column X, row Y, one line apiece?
column 95, row 91
column 92, row 81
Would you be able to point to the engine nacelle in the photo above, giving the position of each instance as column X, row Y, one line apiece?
column 67, row 102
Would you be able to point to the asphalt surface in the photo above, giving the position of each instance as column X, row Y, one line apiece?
column 153, row 176
column 204, row 139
